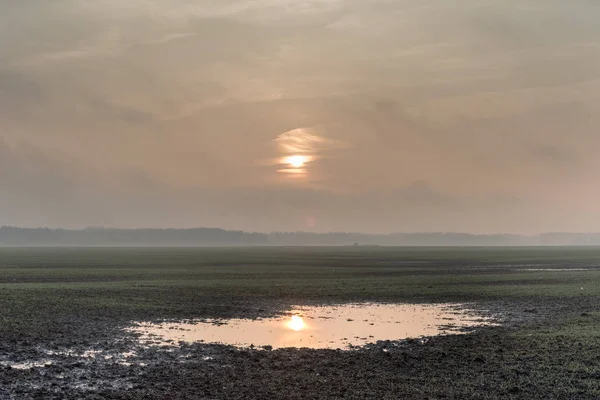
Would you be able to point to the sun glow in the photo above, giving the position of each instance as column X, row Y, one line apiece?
column 296, row 161
column 296, row 323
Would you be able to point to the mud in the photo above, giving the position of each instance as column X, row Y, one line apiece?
column 117, row 365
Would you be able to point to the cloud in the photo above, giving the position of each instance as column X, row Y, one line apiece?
column 438, row 115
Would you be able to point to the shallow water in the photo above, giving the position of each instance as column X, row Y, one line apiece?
column 50, row 357
column 556, row 269
column 26, row 364
column 340, row 326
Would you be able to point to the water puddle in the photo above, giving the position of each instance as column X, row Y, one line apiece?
column 65, row 355
column 26, row 364
column 556, row 269
column 340, row 326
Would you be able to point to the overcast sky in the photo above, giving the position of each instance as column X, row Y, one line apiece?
column 324, row 115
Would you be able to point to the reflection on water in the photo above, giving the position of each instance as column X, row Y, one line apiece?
column 26, row 364
column 321, row 327
column 117, row 356
column 296, row 323
column 555, row 269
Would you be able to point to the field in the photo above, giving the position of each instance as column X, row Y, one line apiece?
column 58, row 302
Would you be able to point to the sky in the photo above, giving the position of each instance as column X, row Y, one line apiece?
column 316, row 115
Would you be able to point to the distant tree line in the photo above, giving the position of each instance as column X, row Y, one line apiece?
column 14, row 236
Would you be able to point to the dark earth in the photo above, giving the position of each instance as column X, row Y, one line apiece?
column 67, row 310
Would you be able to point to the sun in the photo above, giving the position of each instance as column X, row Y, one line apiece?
column 296, row 323
column 296, row 161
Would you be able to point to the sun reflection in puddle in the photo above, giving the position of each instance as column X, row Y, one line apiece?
column 340, row 326
column 296, row 323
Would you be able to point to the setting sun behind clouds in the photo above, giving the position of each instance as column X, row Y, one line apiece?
column 296, row 161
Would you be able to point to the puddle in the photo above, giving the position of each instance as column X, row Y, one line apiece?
column 26, row 364
column 556, row 269
column 334, row 327
column 70, row 356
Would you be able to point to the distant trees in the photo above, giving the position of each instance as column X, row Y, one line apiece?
column 94, row 236
column 12, row 236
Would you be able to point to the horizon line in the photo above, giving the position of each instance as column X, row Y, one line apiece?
column 91, row 228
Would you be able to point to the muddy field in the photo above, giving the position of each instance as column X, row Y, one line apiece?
column 66, row 314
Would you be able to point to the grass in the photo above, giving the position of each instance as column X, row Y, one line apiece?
column 51, row 295
column 137, row 283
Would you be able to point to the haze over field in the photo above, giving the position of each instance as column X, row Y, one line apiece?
column 322, row 115
column 202, row 237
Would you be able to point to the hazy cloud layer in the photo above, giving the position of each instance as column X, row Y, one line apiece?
column 474, row 116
